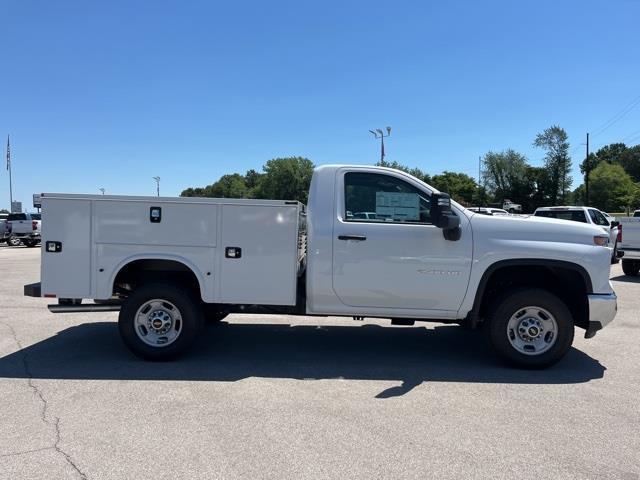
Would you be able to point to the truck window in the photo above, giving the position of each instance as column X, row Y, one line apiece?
column 573, row 215
column 598, row 218
column 17, row 216
column 374, row 197
column 36, row 216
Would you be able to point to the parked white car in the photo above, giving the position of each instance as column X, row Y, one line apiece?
column 168, row 261
column 589, row 215
column 488, row 210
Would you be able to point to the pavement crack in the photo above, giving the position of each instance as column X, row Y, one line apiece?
column 25, row 452
column 43, row 410
column 68, row 458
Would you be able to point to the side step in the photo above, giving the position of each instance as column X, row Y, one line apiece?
column 88, row 307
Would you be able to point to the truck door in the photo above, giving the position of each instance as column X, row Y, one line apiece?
column 386, row 252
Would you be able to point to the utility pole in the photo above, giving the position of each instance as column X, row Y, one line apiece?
column 479, row 177
column 10, row 181
column 380, row 134
column 587, row 167
column 157, row 179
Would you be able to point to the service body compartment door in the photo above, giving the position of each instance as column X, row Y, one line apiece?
column 66, row 273
column 258, row 254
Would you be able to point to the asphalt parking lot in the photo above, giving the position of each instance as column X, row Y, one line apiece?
column 286, row 397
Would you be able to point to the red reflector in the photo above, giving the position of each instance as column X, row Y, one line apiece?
column 49, row 295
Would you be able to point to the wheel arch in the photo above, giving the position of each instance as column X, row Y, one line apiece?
column 165, row 267
column 571, row 281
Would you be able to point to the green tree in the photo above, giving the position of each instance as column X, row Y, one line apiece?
column 414, row 172
column 460, row 186
column 252, row 178
column 285, row 179
column 611, row 188
column 193, row 192
column 554, row 140
column 630, row 161
column 228, row 186
column 609, row 153
column 502, row 172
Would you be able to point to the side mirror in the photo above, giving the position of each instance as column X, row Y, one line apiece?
column 614, row 224
column 442, row 216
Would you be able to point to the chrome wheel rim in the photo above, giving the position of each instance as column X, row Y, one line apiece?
column 532, row 330
column 158, row 323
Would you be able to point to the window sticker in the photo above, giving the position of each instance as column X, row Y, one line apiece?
column 397, row 206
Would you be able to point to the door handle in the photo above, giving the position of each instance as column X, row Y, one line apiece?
column 360, row 238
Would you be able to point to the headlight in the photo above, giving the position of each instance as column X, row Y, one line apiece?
column 601, row 240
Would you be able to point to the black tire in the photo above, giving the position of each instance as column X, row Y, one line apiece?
column 13, row 241
column 188, row 309
column 509, row 304
column 630, row 267
column 30, row 243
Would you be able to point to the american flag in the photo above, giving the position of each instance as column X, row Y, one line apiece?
column 8, row 154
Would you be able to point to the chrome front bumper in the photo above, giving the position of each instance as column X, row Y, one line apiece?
column 602, row 310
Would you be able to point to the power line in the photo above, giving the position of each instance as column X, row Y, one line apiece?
column 617, row 117
column 630, row 136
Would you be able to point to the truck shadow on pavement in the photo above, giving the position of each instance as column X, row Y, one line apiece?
column 234, row 351
column 626, row 278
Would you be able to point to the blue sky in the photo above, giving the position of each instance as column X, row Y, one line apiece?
column 109, row 94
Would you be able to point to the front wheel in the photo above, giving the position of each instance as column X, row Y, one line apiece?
column 631, row 267
column 530, row 328
column 160, row 321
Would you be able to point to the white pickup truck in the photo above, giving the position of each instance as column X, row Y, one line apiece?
column 24, row 228
column 167, row 263
column 630, row 244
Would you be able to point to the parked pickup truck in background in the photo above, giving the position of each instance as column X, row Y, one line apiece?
column 167, row 263
column 587, row 215
column 511, row 207
column 24, row 228
column 4, row 227
column 630, row 244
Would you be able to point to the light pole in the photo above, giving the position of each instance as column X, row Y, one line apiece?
column 102, row 190
column 380, row 134
column 157, row 179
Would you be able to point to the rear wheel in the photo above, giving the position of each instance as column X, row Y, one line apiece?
column 30, row 243
column 14, row 241
column 631, row 267
column 160, row 321
column 530, row 328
